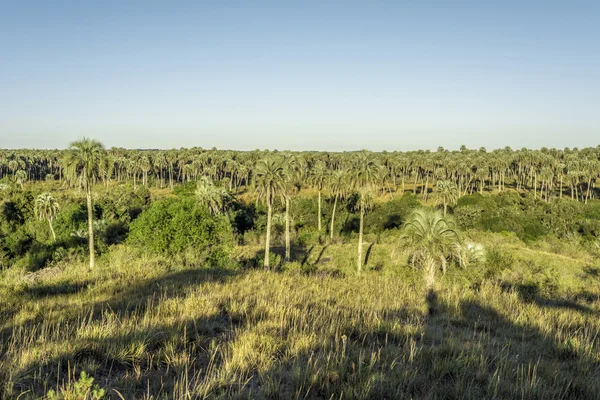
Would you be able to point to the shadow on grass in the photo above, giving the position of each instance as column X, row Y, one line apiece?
column 530, row 294
column 107, row 357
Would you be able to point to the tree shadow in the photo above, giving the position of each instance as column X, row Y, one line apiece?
column 529, row 293
column 318, row 260
column 112, row 360
column 368, row 253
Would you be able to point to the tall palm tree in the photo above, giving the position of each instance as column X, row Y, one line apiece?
column 337, row 183
column 447, row 193
column 46, row 208
column 289, row 189
column 431, row 240
column 269, row 180
column 82, row 161
column 318, row 178
column 362, row 178
column 214, row 197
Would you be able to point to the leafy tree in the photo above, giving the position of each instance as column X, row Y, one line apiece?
column 82, row 162
column 174, row 225
column 46, row 208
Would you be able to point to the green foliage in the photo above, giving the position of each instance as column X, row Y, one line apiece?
column 172, row 226
column 391, row 214
column 186, row 189
column 497, row 260
column 83, row 389
column 124, row 203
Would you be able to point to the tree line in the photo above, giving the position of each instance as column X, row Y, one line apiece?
column 279, row 175
column 545, row 172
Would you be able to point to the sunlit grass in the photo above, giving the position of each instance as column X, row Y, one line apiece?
column 148, row 327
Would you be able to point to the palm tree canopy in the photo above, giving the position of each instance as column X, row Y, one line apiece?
column 447, row 192
column 430, row 236
column 46, row 207
column 84, row 159
column 270, row 178
column 364, row 172
column 214, row 197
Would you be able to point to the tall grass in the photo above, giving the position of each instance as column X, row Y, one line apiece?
column 150, row 328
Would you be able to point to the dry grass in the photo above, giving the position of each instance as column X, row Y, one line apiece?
column 153, row 328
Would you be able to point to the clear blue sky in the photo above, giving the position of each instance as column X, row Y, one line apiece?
column 321, row 75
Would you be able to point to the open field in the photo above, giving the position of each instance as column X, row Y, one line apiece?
column 150, row 327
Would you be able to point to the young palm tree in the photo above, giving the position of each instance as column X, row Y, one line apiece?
column 82, row 161
column 216, row 198
column 337, row 183
column 269, row 180
column 431, row 240
column 362, row 178
column 46, row 208
column 447, row 193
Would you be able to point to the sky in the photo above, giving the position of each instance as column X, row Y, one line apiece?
column 300, row 75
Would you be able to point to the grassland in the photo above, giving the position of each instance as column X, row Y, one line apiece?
column 525, row 326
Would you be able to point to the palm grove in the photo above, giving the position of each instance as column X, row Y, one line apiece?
column 275, row 180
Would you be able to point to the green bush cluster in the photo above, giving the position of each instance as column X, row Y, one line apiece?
column 171, row 226
column 529, row 218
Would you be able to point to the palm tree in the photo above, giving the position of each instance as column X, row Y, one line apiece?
column 82, row 161
column 447, row 193
column 362, row 177
column 289, row 189
column 318, row 178
column 46, row 208
column 337, row 185
column 214, row 197
column 269, row 182
column 431, row 240
column 21, row 177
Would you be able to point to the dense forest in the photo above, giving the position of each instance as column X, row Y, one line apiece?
column 198, row 273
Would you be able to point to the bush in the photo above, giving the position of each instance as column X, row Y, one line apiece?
column 497, row 260
column 391, row 214
column 173, row 225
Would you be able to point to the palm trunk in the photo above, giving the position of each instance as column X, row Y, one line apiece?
column 359, row 260
column 333, row 216
column 445, row 208
column 319, row 219
column 560, row 187
column 90, row 228
column 52, row 230
column 587, row 194
column 287, row 229
column 403, row 184
column 268, row 236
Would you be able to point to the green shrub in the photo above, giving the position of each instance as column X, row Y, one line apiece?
column 391, row 214
column 173, row 225
column 497, row 260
